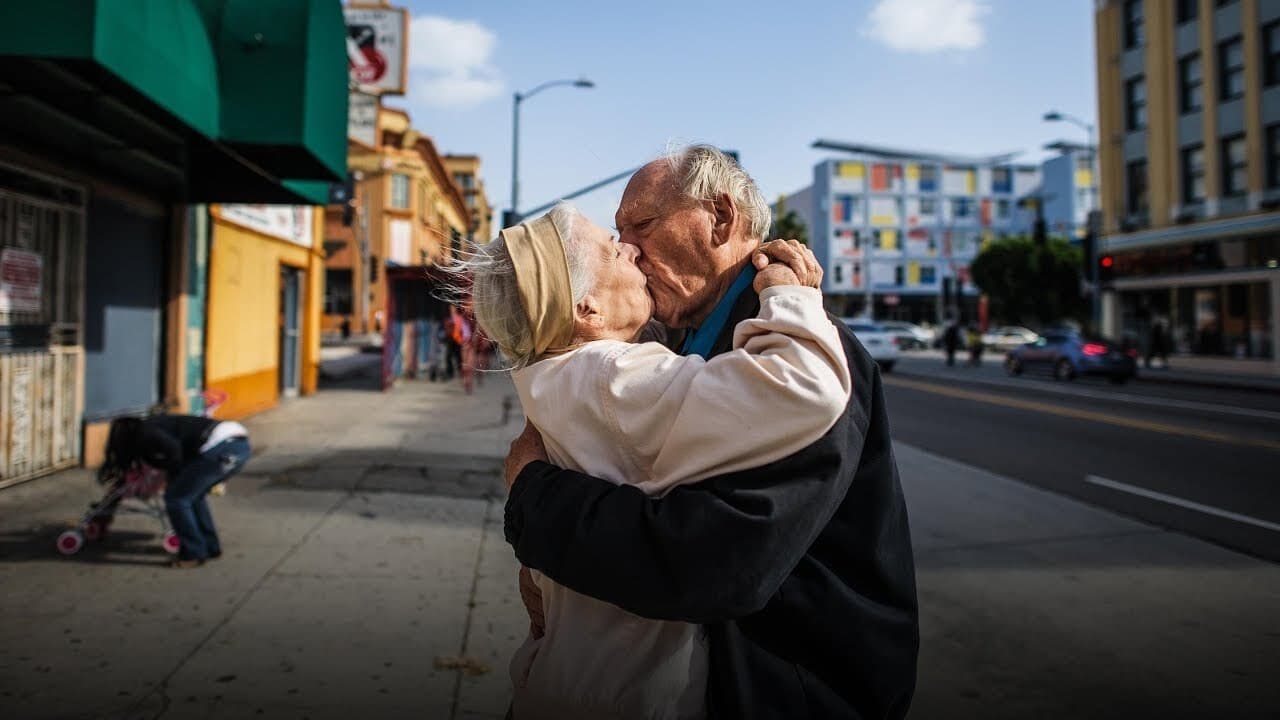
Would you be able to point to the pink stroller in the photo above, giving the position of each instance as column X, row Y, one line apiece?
column 140, row 489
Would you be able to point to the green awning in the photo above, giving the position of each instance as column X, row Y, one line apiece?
column 160, row 47
column 282, row 65
column 200, row 100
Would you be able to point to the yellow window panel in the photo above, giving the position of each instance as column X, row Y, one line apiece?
column 879, row 220
column 913, row 273
column 971, row 181
column 987, row 238
column 1084, row 178
column 851, row 170
column 888, row 239
column 913, row 172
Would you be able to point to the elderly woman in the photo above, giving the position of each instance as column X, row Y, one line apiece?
column 565, row 303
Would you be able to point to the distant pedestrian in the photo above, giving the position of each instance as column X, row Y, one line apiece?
column 1157, row 344
column 951, row 341
column 974, row 339
column 346, row 328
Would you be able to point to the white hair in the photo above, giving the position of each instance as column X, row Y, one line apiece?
column 703, row 172
column 495, row 295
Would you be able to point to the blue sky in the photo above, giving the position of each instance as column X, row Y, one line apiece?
column 766, row 79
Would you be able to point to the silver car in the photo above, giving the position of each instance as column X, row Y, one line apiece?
column 1009, row 337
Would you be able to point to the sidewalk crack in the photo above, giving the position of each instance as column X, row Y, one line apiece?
column 471, row 604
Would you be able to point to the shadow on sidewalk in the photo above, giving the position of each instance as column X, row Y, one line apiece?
column 119, row 547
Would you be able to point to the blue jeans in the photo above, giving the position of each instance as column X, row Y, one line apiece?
column 185, row 497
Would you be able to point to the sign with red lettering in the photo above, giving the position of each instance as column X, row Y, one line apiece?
column 21, row 280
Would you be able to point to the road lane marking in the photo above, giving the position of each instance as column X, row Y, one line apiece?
column 1075, row 413
column 1180, row 502
column 1119, row 397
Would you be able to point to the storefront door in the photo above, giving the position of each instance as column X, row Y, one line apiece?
column 290, row 330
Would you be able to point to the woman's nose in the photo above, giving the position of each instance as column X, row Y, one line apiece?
column 631, row 251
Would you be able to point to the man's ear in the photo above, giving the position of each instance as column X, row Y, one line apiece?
column 726, row 218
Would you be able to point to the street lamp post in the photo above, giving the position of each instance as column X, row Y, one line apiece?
column 1095, row 297
column 518, row 98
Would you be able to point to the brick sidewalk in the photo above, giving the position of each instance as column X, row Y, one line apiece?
column 363, row 550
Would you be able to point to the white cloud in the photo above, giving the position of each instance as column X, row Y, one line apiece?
column 927, row 26
column 450, row 62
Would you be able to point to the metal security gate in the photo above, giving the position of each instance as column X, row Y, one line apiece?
column 41, row 305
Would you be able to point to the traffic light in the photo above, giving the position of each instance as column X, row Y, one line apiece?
column 1106, row 269
column 1088, row 246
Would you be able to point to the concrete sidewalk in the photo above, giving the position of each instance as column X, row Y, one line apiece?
column 1034, row 605
column 364, row 564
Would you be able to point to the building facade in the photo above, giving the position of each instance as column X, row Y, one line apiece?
column 895, row 232
column 465, row 170
column 406, row 213
column 106, row 170
column 1189, row 106
column 1067, row 189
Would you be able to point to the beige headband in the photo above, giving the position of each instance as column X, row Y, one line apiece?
column 542, row 275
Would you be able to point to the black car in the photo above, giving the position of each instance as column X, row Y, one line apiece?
column 1069, row 354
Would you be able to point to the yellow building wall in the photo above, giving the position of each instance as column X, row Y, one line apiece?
column 242, row 348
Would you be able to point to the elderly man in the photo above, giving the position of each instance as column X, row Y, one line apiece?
column 801, row 570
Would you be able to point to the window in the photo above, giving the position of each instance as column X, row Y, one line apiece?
column 1235, row 166
column 839, row 274
column 1001, row 180
column 1136, row 187
column 1193, row 174
column 1271, row 53
column 1231, row 68
column 1273, row 156
column 1133, row 33
column 1135, row 103
column 928, row 178
column 1187, row 10
column 400, row 192
column 1002, row 209
column 337, row 292
column 1191, row 98
column 463, row 180
column 928, row 206
column 961, row 207
column 928, row 275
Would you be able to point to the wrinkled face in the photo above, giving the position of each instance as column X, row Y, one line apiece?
column 674, row 236
column 620, row 300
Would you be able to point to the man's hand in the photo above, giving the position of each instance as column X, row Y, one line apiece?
column 785, row 262
column 526, row 448
column 531, row 596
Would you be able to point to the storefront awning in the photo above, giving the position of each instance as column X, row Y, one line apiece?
column 282, row 66
column 197, row 100
column 1195, row 232
column 161, row 49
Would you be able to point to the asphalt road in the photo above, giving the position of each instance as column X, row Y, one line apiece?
column 1196, row 460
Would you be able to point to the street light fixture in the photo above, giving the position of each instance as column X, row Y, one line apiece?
column 1095, row 212
column 518, row 98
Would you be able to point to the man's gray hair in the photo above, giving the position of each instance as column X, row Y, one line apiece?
column 495, row 296
column 703, row 172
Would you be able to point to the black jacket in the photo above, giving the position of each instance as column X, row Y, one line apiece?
column 170, row 441
column 801, row 570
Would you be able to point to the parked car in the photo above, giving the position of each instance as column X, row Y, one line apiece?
column 880, row 343
column 1069, row 354
column 910, row 335
column 1009, row 337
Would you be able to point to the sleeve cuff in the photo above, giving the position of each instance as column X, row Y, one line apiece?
column 513, row 514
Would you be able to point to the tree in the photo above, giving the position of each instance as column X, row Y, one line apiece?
column 788, row 227
column 1024, row 281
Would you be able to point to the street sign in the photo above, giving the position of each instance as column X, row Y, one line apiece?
column 377, row 47
column 362, row 119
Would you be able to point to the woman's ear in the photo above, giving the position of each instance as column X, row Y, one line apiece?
column 726, row 215
column 587, row 316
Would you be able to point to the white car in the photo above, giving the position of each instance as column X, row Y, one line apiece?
column 909, row 335
column 881, row 344
column 1009, row 337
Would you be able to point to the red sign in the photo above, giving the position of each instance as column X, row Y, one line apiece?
column 21, row 278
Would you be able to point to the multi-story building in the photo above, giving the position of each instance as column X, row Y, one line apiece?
column 899, row 228
column 465, row 170
column 1067, row 189
column 408, row 213
column 1189, row 106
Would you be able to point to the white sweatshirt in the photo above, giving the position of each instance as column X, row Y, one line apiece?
column 643, row 415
